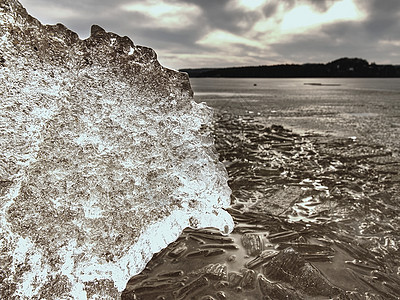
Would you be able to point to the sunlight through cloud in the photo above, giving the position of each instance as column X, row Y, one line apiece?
column 169, row 15
column 305, row 16
column 220, row 38
column 250, row 5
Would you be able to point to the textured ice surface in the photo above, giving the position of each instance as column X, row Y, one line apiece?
column 104, row 159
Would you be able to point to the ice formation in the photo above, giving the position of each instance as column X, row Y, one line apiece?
column 104, row 160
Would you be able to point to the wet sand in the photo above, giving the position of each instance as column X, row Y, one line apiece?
column 316, row 214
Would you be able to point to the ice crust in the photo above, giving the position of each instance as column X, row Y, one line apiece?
column 105, row 158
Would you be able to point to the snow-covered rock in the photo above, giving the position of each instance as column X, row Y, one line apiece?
column 104, row 159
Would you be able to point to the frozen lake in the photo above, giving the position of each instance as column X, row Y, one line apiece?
column 363, row 107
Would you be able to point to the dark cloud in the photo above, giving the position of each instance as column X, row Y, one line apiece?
column 270, row 8
column 321, row 5
column 383, row 18
column 222, row 15
column 380, row 8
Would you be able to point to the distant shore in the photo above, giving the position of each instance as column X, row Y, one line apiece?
column 343, row 67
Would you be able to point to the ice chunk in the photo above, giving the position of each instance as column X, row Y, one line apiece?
column 104, row 160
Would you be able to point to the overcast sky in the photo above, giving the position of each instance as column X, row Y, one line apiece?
column 219, row 33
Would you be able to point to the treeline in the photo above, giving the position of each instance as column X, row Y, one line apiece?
column 343, row 67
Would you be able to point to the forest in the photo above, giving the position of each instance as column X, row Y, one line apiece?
column 343, row 67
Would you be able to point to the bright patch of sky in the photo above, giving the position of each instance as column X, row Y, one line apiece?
column 223, row 39
column 165, row 14
column 250, row 4
column 391, row 43
column 304, row 16
column 283, row 23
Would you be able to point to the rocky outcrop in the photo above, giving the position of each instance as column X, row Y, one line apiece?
column 104, row 160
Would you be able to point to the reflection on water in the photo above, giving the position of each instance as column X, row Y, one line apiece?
column 317, row 215
column 224, row 94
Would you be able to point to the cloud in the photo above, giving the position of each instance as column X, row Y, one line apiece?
column 50, row 12
column 374, row 36
column 164, row 14
column 339, row 39
column 77, row 15
column 321, row 5
column 383, row 19
column 203, row 33
column 249, row 5
column 323, row 45
column 225, row 40
column 226, row 15
column 303, row 16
